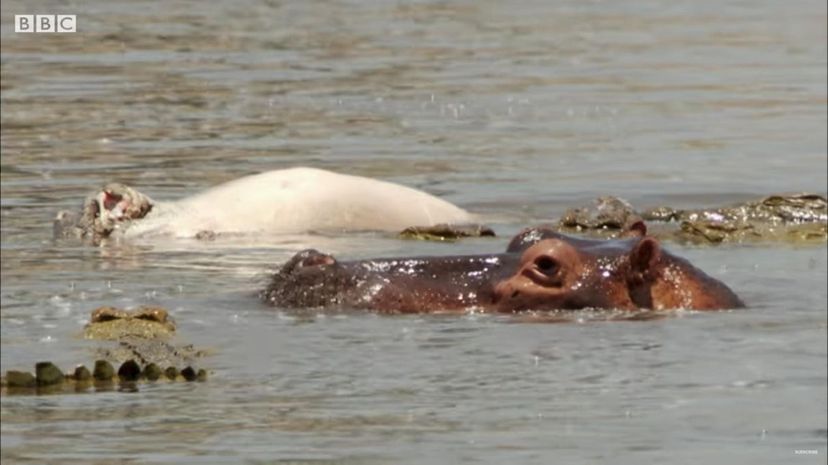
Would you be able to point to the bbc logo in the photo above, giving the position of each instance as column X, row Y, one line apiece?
column 45, row 23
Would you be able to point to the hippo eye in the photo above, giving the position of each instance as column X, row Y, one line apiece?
column 547, row 265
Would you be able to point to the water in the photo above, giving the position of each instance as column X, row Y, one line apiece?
column 514, row 112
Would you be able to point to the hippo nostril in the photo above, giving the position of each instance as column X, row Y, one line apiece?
column 515, row 294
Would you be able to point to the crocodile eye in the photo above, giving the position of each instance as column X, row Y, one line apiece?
column 547, row 265
column 153, row 315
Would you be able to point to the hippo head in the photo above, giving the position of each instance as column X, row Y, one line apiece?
column 119, row 203
column 102, row 212
column 540, row 270
column 561, row 272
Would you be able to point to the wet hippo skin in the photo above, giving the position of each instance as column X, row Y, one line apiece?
column 540, row 270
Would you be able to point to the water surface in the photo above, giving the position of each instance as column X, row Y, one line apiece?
column 516, row 113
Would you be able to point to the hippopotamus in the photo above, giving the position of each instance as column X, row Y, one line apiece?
column 541, row 269
column 286, row 201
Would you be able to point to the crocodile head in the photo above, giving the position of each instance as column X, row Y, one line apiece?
column 108, row 323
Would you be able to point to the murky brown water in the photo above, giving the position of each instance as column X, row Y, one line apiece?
column 516, row 112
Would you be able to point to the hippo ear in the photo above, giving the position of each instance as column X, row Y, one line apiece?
column 645, row 255
column 635, row 228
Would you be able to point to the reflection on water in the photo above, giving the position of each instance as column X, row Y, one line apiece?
column 516, row 113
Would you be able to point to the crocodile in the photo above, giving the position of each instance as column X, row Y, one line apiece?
column 794, row 218
column 444, row 232
column 138, row 341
